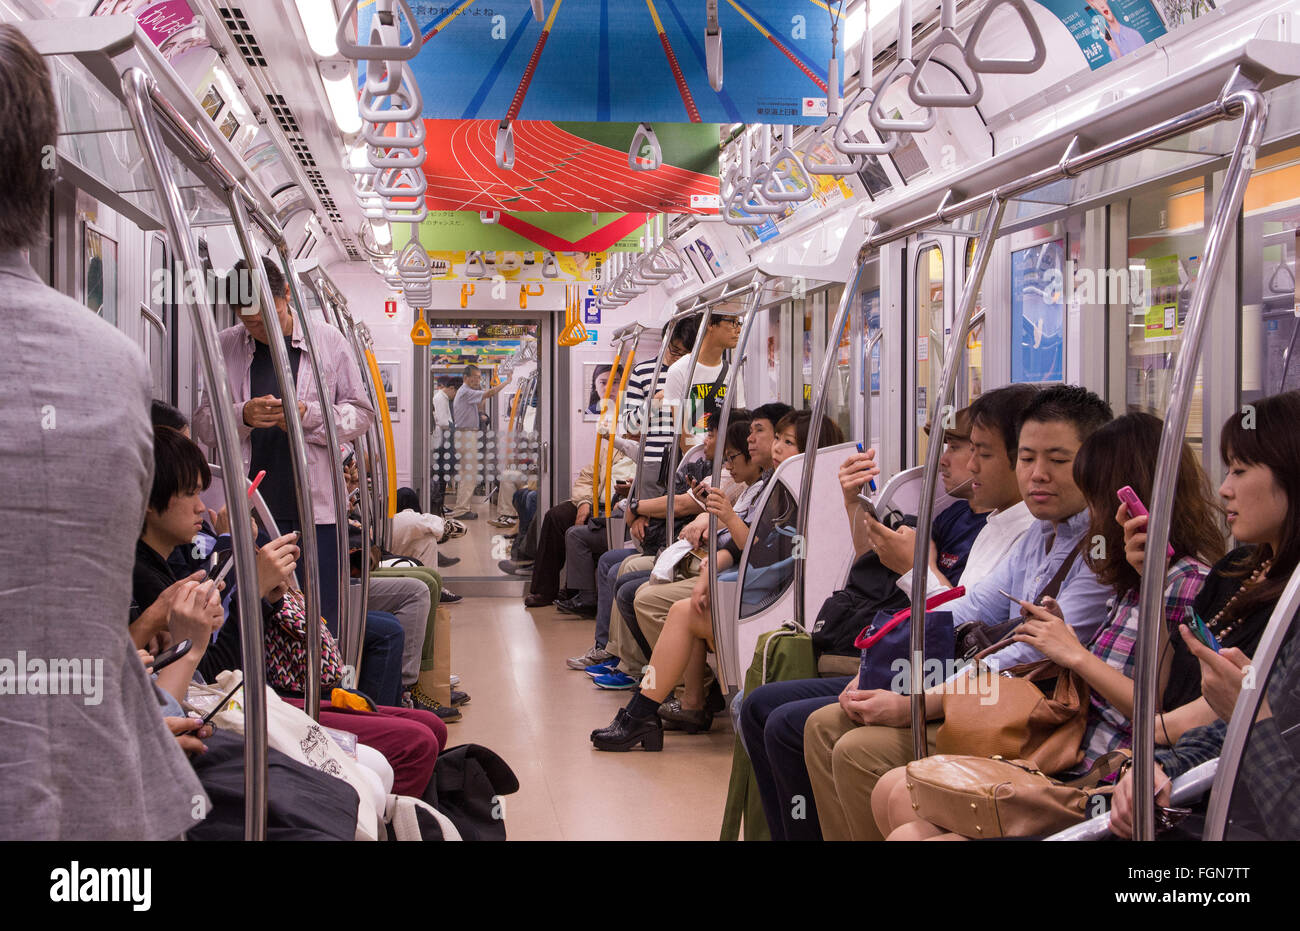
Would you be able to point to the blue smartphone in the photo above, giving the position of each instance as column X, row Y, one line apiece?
column 1202, row 632
column 870, row 481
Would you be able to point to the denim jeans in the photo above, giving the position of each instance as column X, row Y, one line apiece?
column 606, row 574
column 381, row 659
column 625, row 597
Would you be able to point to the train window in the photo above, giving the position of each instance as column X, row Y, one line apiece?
column 973, row 361
column 1270, row 298
column 155, row 338
column 1166, row 237
column 775, row 386
column 840, row 389
column 929, row 328
column 99, row 273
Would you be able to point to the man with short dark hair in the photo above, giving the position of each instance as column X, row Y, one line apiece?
column 95, row 762
column 465, row 410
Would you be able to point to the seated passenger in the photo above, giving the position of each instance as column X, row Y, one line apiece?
column 688, row 629
column 1123, row 452
column 94, row 761
column 849, row 745
column 1261, row 493
column 978, row 457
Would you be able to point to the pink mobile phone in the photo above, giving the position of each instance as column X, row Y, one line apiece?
column 1135, row 507
column 256, row 481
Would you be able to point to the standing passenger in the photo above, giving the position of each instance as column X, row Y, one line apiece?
column 95, row 762
column 465, row 415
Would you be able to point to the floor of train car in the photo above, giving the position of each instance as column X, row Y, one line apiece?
column 537, row 714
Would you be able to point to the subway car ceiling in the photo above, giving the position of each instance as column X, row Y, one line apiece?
column 969, row 195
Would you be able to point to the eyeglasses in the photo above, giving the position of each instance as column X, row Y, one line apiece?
column 727, row 459
column 731, row 322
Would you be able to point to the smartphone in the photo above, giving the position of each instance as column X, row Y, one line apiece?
column 1137, row 509
column 347, row 460
column 1202, row 632
column 870, row 481
column 1011, row 596
column 257, row 480
column 170, row 655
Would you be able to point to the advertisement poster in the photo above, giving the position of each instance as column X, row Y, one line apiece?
column 461, row 230
column 1038, row 313
column 1108, row 29
column 624, row 61
column 1162, row 318
column 569, row 167
column 827, row 191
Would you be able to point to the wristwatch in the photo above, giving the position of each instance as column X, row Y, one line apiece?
column 631, row 507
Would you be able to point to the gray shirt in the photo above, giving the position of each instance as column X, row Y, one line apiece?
column 464, row 408
column 95, row 762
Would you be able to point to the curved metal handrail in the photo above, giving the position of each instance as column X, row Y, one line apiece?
column 141, row 97
column 829, row 361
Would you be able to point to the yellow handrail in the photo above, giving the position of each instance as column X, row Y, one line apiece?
column 609, row 455
column 600, row 419
column 386, row 422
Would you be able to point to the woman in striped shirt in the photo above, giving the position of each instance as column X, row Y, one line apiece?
column 1121, row 453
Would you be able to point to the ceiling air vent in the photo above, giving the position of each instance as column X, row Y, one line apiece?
column 243, row 36
column 293, row 135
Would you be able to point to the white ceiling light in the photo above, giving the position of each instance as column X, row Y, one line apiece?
column 322, row 26
column 383, row 235
column 340, row 88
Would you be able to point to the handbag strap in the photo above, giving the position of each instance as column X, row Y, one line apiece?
column 1053, row 586
column 1104, row 767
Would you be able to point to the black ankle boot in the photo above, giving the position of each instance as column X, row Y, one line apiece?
column 626, row 732
column 677, row 718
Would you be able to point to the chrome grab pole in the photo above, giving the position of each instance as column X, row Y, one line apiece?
column 719, row 456
column 649, row 410
column 679, row 421
column 1239, row 94
column 632, row 332
column 814, row 431
column 137, row 95
column 925, row 517
column 297, row 441
column 1247, row 707
column 335, row 461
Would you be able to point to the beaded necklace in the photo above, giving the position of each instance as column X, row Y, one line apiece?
column 1254, row 580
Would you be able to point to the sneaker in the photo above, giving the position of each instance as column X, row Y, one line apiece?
column 467, row 515
column 602, row 669
column 459, row 698
column 445, row 561
column 596, row 656
column 448, row 597
column 510, row 567
column 452, row 530
column 421, row 700
column 503, row 521
column 615, row 680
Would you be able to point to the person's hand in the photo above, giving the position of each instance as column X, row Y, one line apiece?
column 189, row 734
column 154, row 619
column 855, row 472
column 693, row 533
column 1221, row 673
column 1048, row 633
column 262, row 412
column 280, row 420
column 146, row 658
column 895, row 548
column 878, row 706
column 1121, row 803
column 275, row 564
column 719, row 505
column 622, row 488
column 849, row 687
column 196, row 615
column 219, row 520
column 638, row 528
column 350, row 477
column 584, row 511
column 700, row 593
column 1135, row 537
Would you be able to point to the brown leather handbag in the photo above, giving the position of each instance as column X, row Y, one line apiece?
column 1035, row 712
column 993, row 797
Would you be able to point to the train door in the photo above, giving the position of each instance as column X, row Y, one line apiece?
column 1270, row 300
column 930, row 280
column 492, row 476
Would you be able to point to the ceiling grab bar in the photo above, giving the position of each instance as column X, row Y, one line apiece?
column 645, row 136
column 947, row 36
column 1005, row 65
column 550, row 267
column 713, row 45
column 383, row 23
column 778, row 177
column 865, row 96
column 904, row 67
column 137, row 93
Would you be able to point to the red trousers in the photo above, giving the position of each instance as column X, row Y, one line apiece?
column 407, row 737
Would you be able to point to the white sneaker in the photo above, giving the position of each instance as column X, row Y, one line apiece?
column 455, row 680
column 593, row 657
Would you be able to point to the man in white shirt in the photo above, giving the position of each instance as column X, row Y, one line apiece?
column 703, row 394
column 470, row 397
column 444, row 456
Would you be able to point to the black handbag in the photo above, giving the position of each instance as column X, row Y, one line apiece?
column 467, row 785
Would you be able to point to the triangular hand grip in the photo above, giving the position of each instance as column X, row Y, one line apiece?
column 839, row 169
column 887, row 124
column 1005, row 65
column 404, row 104
column 390, row 47
column 506, row 146
column 550, row 268
column 401, row 182
column 645, row 136
column 407, row 135
column 775, row 190
column 385, row 157
column 922, row 98
column 840, row 137
column 475, row 267
column 421, row 335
